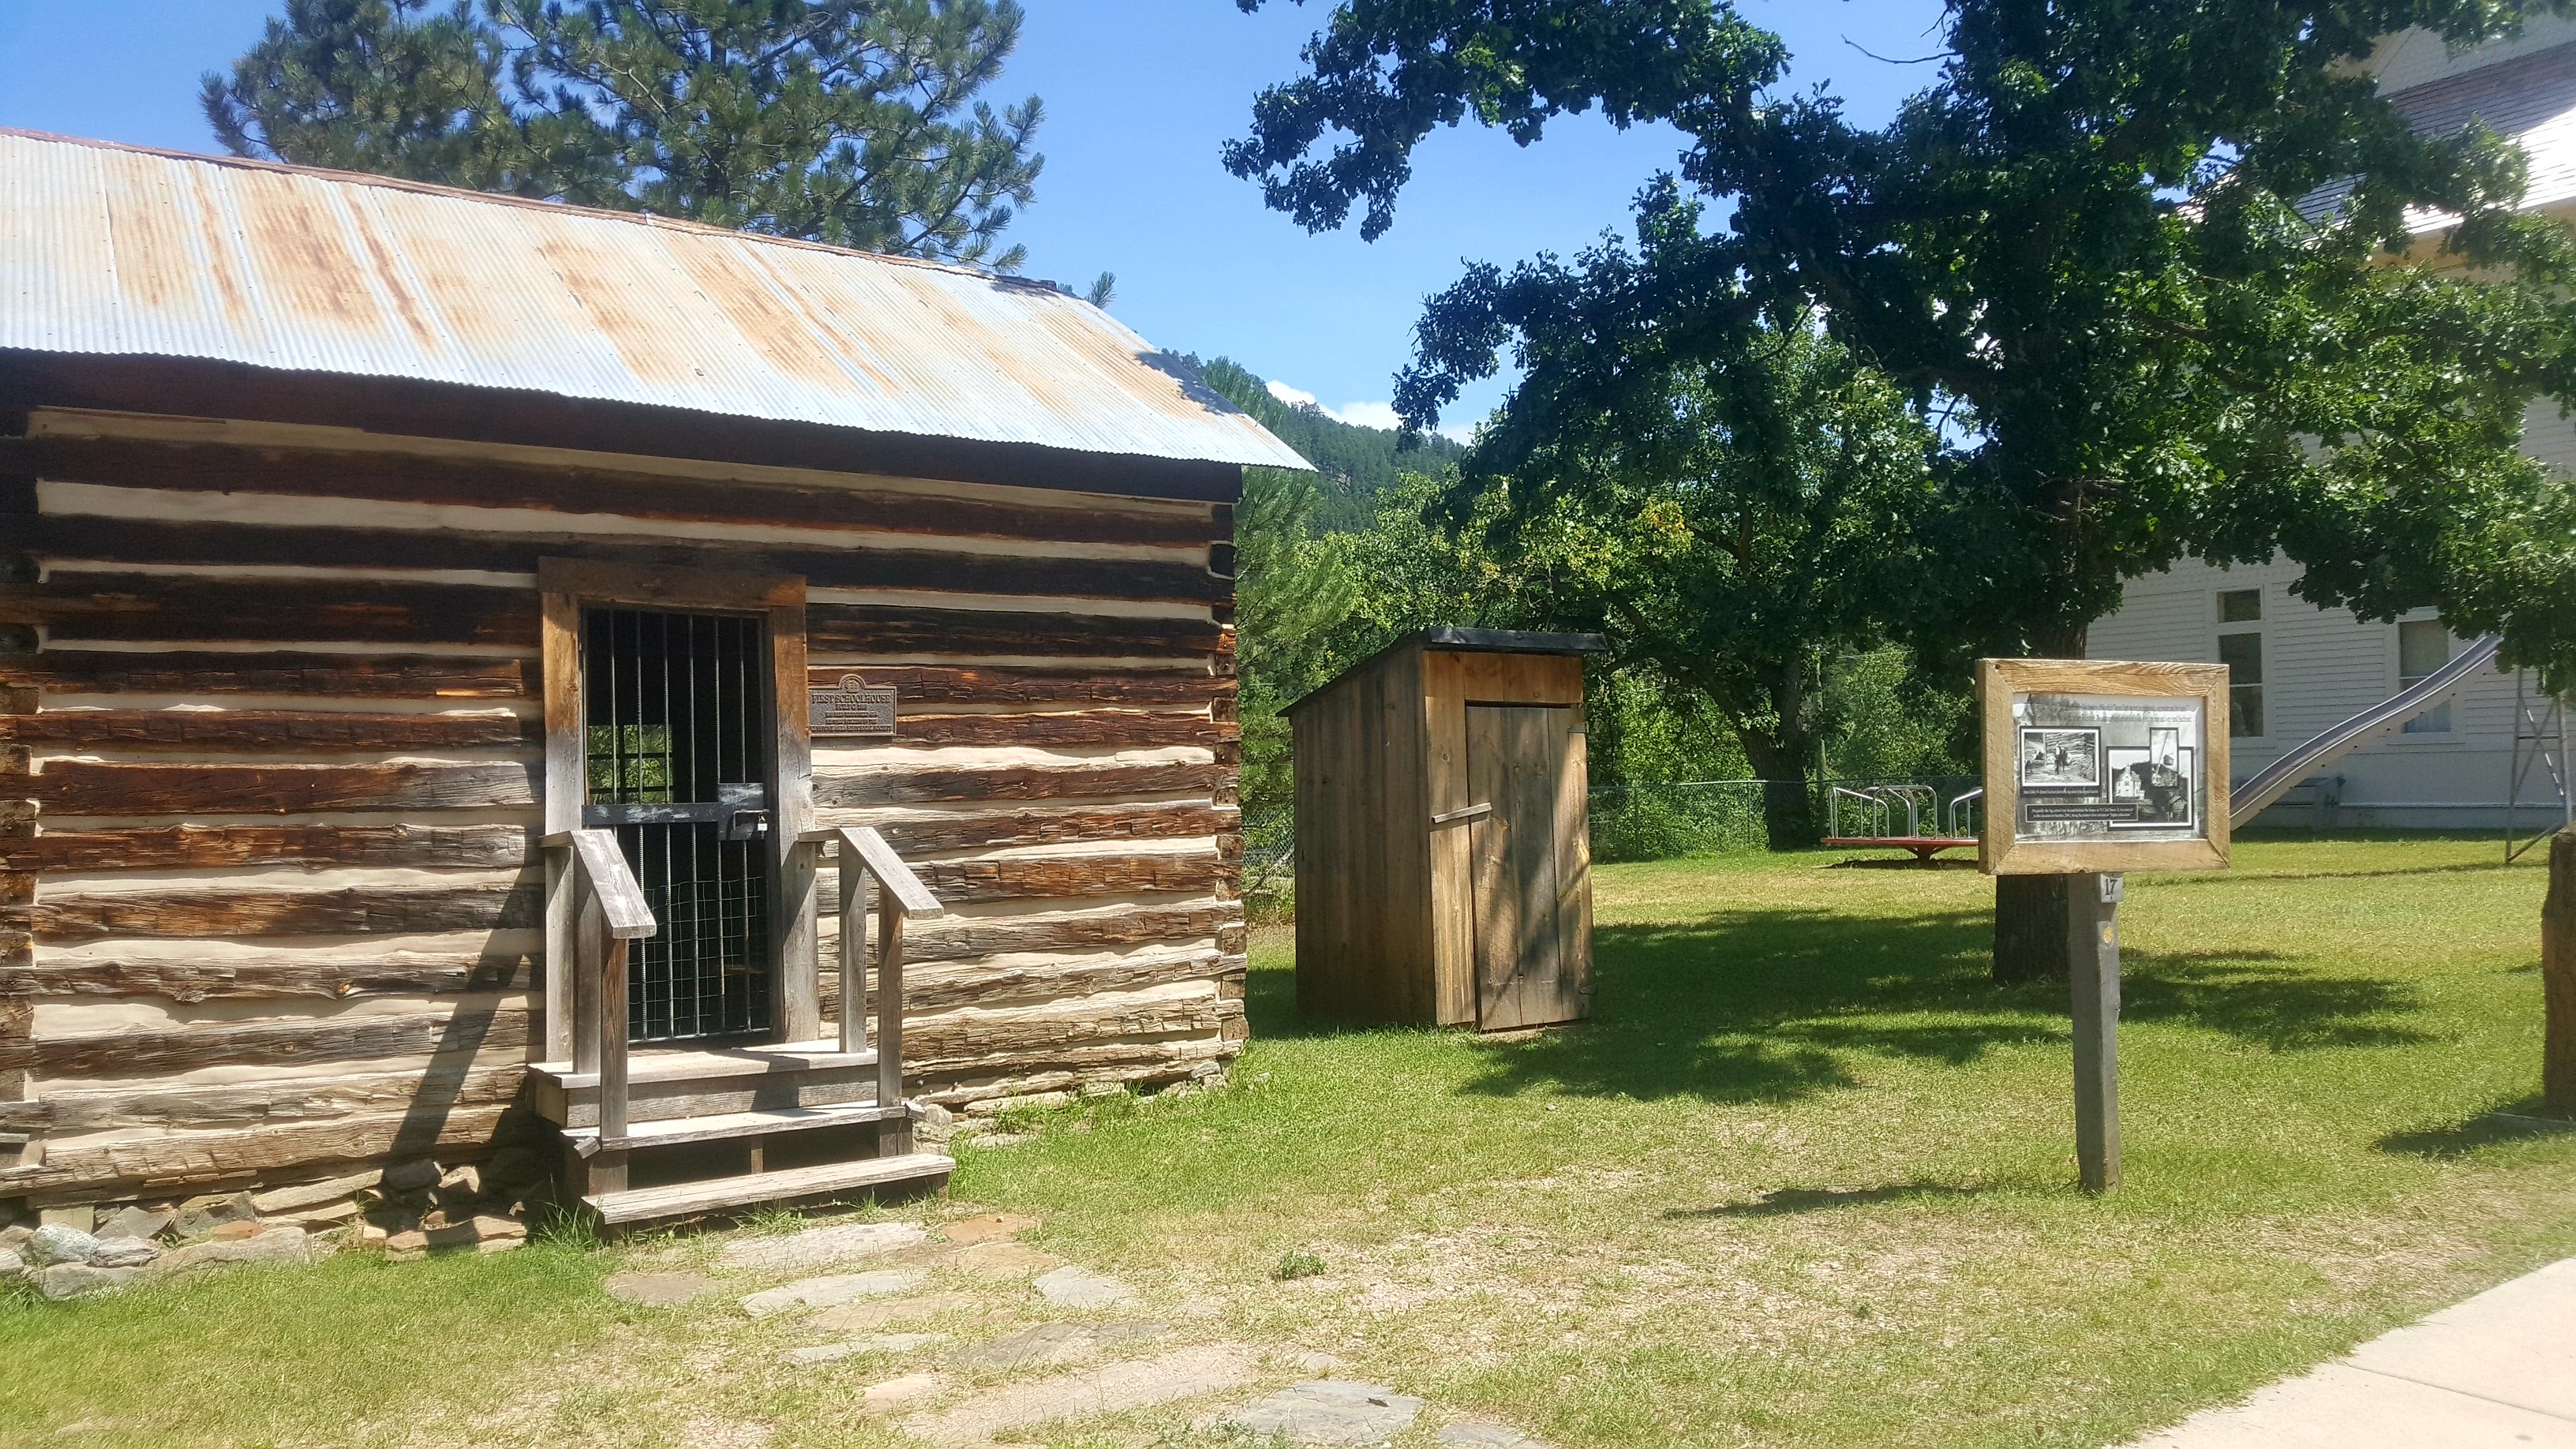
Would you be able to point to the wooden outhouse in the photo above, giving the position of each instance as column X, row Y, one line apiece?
column 462, row 657
column 1443, row 846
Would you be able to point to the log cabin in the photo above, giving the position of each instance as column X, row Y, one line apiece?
column 463, row 659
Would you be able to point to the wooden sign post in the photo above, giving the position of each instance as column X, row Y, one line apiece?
column 2095, row 769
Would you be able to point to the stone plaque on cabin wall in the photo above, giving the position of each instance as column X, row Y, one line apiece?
column 853, row 708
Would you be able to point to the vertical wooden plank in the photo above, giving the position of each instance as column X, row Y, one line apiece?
column 854, row 951
column 798, row 964
column 894, row 1134
column 559, row 619
column 2093, row 951
column 1445, row 684
column 1497, row 904
column 2558, row 979
column 1573, row 867
column 587, row 947
column 1533, row 845
column 612, row 1037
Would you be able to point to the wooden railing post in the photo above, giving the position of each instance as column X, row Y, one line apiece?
column 900, row 898
column 2558, row 980
column 854, row 950
column 608, row 911
column 589, row 926
column 894, row 1134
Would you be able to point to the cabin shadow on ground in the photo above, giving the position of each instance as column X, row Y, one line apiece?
column 1771, row 1004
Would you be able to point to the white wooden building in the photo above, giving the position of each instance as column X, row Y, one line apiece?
column 2300, row 669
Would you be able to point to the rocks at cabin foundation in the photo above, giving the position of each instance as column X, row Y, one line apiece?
column 407, row 1210
column 76, row 1264
column 54, row 1244
column 136, row 1221
column 199, row 1216
column 486, row 1234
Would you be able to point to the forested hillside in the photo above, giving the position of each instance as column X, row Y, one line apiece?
column 1355, row 465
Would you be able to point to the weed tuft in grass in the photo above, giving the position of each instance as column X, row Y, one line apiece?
column 1295, row 1265
column 569, row 1229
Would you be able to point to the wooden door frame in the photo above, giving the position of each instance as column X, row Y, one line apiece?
column 564, row 585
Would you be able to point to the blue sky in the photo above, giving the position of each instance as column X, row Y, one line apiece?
column 1139, row 95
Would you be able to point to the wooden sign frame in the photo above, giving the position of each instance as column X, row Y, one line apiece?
column 1999, row 681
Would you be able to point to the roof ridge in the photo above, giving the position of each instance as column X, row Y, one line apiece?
column 503, row 198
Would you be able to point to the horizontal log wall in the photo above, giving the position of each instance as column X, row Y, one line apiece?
column 272, row 763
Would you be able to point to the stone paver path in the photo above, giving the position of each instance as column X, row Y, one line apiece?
column 860, row 1317
column 2499, row 1369
column 820, row 1247
column 1331, row 1411
column 1109, row 1389
column 1073, row 1287
column 829, row 1292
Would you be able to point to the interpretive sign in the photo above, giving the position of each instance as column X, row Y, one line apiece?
column 2099, row 766
column 852, row 708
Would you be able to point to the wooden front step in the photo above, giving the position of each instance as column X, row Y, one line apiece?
column 727, row 1126
column 670, row 1082
column 910, row 1170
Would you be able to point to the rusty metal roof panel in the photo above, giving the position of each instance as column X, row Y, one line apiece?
column 119, row 251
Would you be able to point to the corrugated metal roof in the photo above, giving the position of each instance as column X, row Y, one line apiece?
column 112, row 250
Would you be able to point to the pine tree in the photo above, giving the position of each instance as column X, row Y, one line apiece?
column 854, row 122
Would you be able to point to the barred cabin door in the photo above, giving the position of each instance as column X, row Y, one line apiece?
column 676, row 732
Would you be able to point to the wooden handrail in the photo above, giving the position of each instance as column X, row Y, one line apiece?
column 604, row 868
column 609, row 911
column 900, row 897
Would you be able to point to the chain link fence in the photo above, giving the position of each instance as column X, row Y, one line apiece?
column 1667, row 820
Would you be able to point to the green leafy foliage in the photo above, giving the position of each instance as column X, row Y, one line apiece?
column 1728, row 522
column 854, row 122
column 2144, row 264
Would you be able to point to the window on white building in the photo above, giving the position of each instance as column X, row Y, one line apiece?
column 2241, row 650
column 2423, row 646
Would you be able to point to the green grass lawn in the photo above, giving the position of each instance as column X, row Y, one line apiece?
column 1806, row 1180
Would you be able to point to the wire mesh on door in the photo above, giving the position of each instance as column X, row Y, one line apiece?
column 676, row 730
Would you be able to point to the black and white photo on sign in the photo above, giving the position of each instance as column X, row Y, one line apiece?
column 2122, row 766
column 2160, row 781
column 2061, row 759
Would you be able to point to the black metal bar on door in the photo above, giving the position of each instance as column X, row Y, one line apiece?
column 673, row 731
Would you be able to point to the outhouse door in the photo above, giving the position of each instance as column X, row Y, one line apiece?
column 676, row 739
column 1533, row 901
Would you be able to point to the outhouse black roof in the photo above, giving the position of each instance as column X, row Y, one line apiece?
column 1460, row 639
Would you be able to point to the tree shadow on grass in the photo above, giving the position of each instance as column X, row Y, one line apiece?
column 2282, row 1007
column 1754, row 1006
column 2516, row 1121
column 1771, row 1005
column 1781, row 1202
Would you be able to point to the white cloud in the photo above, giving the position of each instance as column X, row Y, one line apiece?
column 1360, row 414
column 1371, row 415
